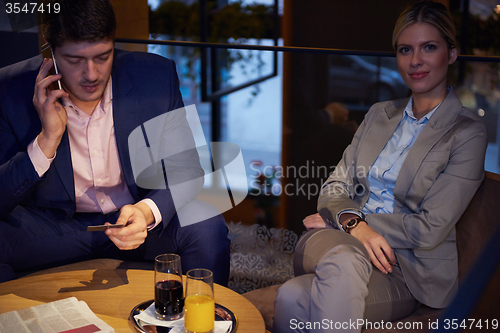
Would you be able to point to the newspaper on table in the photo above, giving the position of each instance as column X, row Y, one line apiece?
column 67, row 315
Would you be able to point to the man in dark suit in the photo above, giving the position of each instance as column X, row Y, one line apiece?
column 64, row 168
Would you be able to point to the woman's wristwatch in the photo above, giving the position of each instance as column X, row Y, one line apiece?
column 352, row 223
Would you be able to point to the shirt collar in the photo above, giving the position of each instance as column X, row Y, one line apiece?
column 108, row 95
column 409, row 112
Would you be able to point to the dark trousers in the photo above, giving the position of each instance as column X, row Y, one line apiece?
column 31, row 239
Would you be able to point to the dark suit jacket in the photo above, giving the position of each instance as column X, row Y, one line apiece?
column 144, row 86
column 438, row 179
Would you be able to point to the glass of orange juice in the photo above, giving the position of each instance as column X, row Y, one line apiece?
column 199, row 304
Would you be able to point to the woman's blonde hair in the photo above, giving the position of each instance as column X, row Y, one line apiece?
column 433, row 13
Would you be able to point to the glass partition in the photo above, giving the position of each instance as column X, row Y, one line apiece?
column 294, row 109
column 276, row 142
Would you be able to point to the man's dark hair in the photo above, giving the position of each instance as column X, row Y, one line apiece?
column 78, row 20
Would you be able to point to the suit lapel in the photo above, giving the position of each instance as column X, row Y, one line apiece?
column 440, row 122
column 64, row 166
column 425, row 141
column 378, row 135
column 125, row 119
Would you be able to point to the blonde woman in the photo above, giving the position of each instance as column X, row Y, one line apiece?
column 402, row 184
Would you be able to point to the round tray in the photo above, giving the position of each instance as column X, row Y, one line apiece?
column 221, row 314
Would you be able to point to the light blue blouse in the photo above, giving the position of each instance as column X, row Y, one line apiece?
column 384, row 172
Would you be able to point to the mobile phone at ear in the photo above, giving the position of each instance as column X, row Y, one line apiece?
column 47, row 52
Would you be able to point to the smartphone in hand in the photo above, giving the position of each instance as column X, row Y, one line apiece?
column 47, row 53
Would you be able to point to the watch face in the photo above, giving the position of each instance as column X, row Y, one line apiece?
column 352, row 223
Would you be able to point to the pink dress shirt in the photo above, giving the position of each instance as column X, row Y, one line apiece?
column 99, row 181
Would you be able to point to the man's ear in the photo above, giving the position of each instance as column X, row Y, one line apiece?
column 452, row 55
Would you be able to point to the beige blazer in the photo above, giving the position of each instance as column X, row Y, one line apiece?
column 439, row 177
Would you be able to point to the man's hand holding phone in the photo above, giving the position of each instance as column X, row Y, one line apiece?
column 52, row 114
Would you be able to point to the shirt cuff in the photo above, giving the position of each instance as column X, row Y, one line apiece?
column 352, row 211
column 40, row 162
column 156, row 212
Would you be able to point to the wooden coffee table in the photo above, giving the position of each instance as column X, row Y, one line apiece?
column 111, row 288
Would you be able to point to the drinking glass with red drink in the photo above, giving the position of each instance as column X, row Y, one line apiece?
column 169, row 294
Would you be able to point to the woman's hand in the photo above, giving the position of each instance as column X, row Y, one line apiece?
column 381, row 254
column 314, row 221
